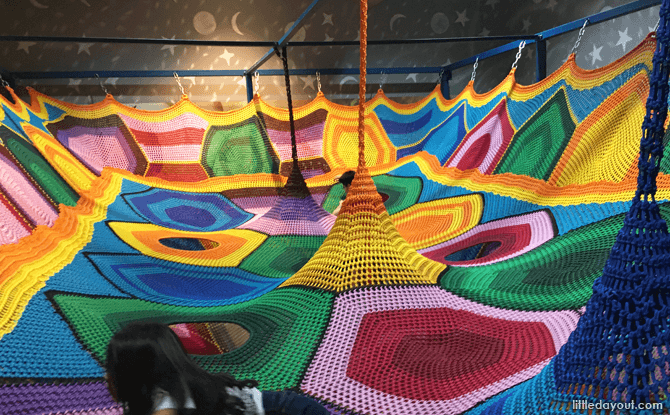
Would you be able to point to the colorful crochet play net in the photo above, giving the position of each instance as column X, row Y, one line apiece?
column 467, row 254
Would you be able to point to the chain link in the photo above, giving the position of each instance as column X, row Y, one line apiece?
column 101, row 85
column 382, row 80
column 318, row 80
column 579, row 37
column 4, row 83
column 518, row 54
column 440, row 76
column 474, row 70
column 256, row 87
column 179, row 83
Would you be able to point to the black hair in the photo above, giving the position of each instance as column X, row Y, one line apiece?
column 145, row 356
column 347, row 178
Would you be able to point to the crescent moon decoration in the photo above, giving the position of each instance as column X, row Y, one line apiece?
column 299, row 36
column 394, row 18
column 234, row 24
column 38, row 5
column 348, row 78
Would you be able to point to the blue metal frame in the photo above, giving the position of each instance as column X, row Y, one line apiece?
column 126, row 74
column 538, row 39
column 148, row 41
column 284, row 39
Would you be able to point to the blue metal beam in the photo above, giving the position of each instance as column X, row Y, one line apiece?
column 444, row 84
column 71, row 39
column 125, row 74
column 540, row 60
column 350, row 71
column 203, row 73
column 413, row 41
column 600, row 17
column 250, row 87
column 284, row 39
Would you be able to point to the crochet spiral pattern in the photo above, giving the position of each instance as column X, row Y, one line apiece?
column 464, row 274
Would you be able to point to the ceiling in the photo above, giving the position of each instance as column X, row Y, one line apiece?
column 248, row 20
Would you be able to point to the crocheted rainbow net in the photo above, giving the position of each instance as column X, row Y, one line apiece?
column 450, row 288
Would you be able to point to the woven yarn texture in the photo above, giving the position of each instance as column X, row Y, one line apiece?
column 478, row 264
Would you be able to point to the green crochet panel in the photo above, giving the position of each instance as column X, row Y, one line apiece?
column 558, row 275
column 285, row 329
column 403, row 192
column 282, row 256
column 242, row 148
column 38, row 168
column 537, row 146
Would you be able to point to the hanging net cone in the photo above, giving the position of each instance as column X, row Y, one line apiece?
column 364, row 248
column 295, row 212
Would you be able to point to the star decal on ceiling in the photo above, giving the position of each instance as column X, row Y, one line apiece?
column 412, row 76
column 171, row 47
column 462, row 18
column 242, row 82
column 83, row 47
column 595, row 54
column 552, row 4
column 327, row 19
column 530, row 53
column 227, row 56
column 309, row 82
column 623, row 39
column 484, row 32
column 328, row 38
column 492, row 3
column 75, row 83
column 526, row 25
column 25, row 45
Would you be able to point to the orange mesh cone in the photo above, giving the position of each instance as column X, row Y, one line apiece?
column 363, row 247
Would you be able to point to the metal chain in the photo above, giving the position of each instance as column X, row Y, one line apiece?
column 256, row 87
column 474, row 69
column 101, row 85
column 440, row 76
column 4, row 83
column 179, row 82
column 318, row 80
column 382, row 80
column 579, row 37
column 518, row 54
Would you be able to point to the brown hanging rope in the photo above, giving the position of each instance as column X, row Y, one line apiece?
column 294, row 146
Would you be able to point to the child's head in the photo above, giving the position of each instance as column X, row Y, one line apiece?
column 346, row 178
column 141, row 357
